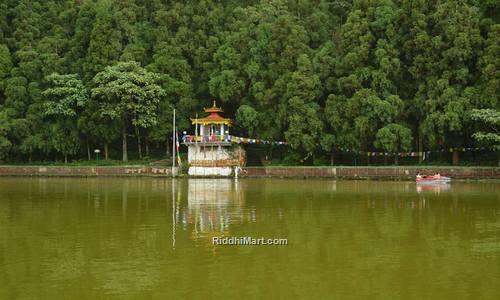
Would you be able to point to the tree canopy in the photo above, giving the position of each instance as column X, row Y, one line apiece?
column 490, row 119
column 378, row 75
column 128, row 93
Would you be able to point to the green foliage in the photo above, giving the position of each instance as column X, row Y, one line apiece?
column 394, row 138
column 5, row 144
column 5, row 64
column 489, row 64
column 365, row 97
column 65, row 99
column 105, row 41
column 442, row 44
column 16, row 94
column 247, row 118
column 319, row 74
column 490, row 119
column 129, row 94
column 302, row 111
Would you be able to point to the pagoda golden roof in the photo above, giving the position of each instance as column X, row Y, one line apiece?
column 214, row 108
column 213, row 118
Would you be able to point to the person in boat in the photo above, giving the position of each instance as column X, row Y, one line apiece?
column 437, row 175
column 421, row 176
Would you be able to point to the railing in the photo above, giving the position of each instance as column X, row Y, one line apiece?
column 215, row 163
column 188, row 139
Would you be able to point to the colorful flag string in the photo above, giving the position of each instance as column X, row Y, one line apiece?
column 242, row 140
column 423, row 154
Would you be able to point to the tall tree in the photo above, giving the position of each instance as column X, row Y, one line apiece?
column 105, row 45
column 81, row 37
column 4, row 8
column 490, row 119
column 394, row 138
column 248, row 119
column 65, row 99
column 5, row 143
column 304, row 123
column 489, row 68
column 444, row 43
column 5, row 66
column 128, row 93
column 364, row 97
column 373, row 63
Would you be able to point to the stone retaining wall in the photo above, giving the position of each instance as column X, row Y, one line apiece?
column 82, row 171
column 292, row 172
column 371, row 172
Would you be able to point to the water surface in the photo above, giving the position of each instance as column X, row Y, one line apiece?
column 150, row 238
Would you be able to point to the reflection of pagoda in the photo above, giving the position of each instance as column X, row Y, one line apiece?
column 210, row 150
column 213, row 206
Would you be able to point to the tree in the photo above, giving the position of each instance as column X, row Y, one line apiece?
column 394, row 138
column 444, row 40
column 364, row 96
column 3, row 20
column 176, row 80
column 303, row 120
column 81, row 38
column 5, row 65
column 65, row 99
column 163, row 130
column 254, row 64
column 322, row 74
column 490, row 118
column 26, row 23
column 105, row 41
column 16, row 93
column 356, row 120
column 97, row 128
column 5, row 143
column 489, row 66
column 247, row 118
column 128, row 93
column 328, row 144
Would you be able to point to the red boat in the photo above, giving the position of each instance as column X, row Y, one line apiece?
column 433, row 179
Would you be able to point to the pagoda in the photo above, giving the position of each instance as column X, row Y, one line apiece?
column 211, row 151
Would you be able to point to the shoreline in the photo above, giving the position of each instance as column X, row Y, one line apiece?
column 335, row 172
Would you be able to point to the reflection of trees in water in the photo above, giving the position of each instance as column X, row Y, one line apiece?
column 99, row 236
column 116, row 246
column 113, row 236
column 131, row 270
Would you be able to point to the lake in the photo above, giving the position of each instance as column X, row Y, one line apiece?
column 152, row 238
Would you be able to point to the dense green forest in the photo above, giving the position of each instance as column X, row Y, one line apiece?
column 323, row 75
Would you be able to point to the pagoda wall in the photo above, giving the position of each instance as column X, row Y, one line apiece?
column 211, row 171
column 214, row 160
column 216, row 154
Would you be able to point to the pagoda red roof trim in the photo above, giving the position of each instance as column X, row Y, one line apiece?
column 213, row 116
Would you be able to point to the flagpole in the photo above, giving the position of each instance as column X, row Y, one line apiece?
column 173, row 146
column 196, row 130
column 177, row 145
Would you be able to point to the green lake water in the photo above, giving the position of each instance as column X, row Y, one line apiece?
column 151, row 238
